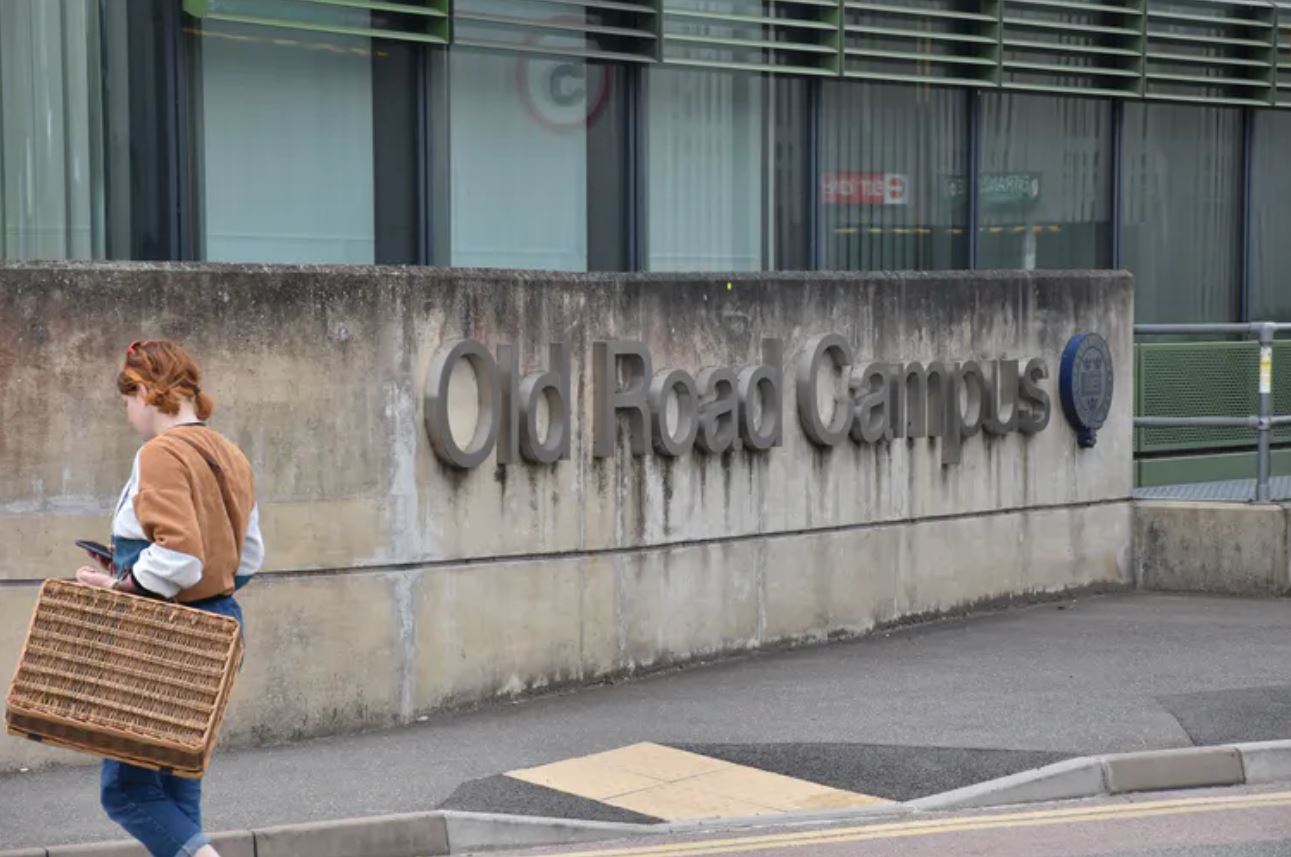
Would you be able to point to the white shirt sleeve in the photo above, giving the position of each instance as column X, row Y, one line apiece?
column 166, row 572
column 252, row 546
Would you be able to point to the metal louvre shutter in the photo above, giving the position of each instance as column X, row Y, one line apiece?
column 788, row 36
column 1090, row 46
column 402, row 20
column 930, row 41
column 625, row 30
column 1216, row 51
column 1235, row 52
column 1283, row 95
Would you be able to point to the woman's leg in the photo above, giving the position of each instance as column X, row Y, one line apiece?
column 135, row 799
column 186, row 794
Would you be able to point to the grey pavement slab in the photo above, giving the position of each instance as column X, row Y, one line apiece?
column 1233, row 715
column 1072, row 678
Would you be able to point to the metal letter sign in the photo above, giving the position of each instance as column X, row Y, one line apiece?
column 728, row 409
column 1085, row 383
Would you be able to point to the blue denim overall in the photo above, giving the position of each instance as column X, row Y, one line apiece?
column 162, row 811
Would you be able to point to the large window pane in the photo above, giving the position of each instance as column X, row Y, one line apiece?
column 1181, row 212
column 518, row 128
column 1045, row 190
column 705, row 149
column 51, row 142
column 1271, row 218
column 286, row 145
column 892, row 186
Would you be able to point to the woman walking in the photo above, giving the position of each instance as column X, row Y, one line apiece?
column 186, row 528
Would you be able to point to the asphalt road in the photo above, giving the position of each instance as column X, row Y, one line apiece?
column 1234, row 823
column 901, row 714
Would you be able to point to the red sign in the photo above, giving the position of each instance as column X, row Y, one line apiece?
column 864, row 189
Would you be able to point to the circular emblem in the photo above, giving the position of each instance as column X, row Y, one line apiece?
column 562, row 94
column 1085, row 384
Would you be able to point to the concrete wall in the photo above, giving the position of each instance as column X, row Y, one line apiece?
column 397, row 584
column 1224, row 548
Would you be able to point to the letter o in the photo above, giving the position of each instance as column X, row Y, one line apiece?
column 661, row 387
column 976, row 392
column 489, row 395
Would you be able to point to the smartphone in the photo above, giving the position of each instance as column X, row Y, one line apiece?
column 101, row 551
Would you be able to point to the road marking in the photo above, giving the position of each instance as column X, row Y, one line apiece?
column 675, row 785
column 899, row 830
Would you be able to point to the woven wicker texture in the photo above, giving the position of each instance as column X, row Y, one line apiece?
column 132, row 679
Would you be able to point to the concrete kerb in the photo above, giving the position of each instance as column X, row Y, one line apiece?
column 449, row 832
column 470, row 832
column 1154, row 770
column 410, row 835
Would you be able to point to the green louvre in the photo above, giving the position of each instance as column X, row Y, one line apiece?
column 1194, row 379
column 1205, row 51
column 784, row 36
column 925, row 41
column 403, row 20
column 1094, row 47
column 1216, row 51
column 622, row 30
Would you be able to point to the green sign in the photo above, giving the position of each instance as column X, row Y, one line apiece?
column 997, row 189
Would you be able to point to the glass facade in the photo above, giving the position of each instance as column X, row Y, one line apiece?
column 1181, row 212
column 519, row 160
column 1045, row 189
column 285, row 141
column 1271, row 217
column 348, row 133
column 51, row 132
column 893, row 165
column 706, row 170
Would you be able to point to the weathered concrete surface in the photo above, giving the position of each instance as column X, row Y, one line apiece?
column 404, row 585
column 330, row 653
column 1224, row 548
column 319, row 375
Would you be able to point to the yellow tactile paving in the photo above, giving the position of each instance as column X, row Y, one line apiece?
column 591, row 777
column 673, row 785
column 663, row 763
column 686, row 799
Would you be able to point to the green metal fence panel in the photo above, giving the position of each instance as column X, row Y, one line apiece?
column 1216, row 51
column 1094, row 47
column 1195, row 379
column 619, row 30
column 779, row 36
column 924, row 41
column 412, row 20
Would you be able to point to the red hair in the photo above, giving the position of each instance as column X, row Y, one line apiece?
column 168, row 372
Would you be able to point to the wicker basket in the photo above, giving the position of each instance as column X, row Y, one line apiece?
column 132, row 679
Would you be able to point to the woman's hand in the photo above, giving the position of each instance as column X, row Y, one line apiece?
column 94, row 577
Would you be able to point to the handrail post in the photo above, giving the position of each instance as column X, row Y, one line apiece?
column 1266, row 332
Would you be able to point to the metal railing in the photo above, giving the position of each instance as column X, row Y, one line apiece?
column 1263, row 422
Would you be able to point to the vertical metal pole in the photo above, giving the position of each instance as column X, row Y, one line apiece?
column 1245, row 298
column 1266, row 412
column 815, row 108
column 1117, row 180
column 973, row 171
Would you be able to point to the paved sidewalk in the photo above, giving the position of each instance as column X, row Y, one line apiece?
column 897, row 715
